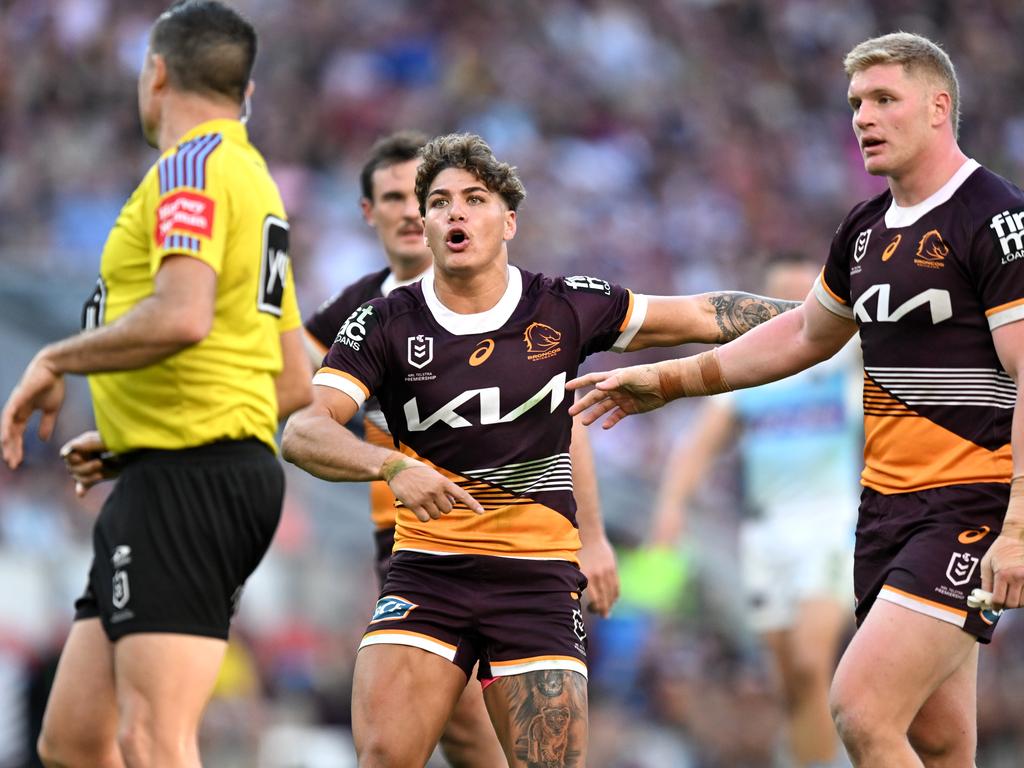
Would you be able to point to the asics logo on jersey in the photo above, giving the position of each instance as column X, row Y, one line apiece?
column 490, row 407
column 937, row 300
column 354, row 331
column 1008, row 229
column 482, row 352
column 932, row 250
column 890, row 249
column 971, row 536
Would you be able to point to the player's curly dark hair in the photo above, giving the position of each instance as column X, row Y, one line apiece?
column 207, row 46
column 470, row 153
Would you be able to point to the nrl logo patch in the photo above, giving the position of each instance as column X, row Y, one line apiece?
column 420, row 350
column 961, row 568
column 861, row 246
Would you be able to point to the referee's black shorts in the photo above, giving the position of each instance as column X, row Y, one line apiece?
column 179, row 535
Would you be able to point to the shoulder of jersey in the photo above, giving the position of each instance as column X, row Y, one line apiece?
column 187, row 165
column 985, row 194
column 365, row 288
column 867, row 210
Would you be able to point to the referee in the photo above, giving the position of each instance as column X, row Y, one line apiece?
column 192, row 345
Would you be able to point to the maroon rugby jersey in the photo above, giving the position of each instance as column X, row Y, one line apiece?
column 482, row 398
column 927, row 285
column 321, row 328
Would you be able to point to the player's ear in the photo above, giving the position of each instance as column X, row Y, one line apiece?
column 159, row 69
column 510, row 225
column 366, row 206
column 250, row 89
column 941, row 106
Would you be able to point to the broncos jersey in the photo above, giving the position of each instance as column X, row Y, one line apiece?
column 322, row 327
column 927, row 285
column 481, row 397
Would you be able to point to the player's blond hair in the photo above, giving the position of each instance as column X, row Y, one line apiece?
column 917, row 54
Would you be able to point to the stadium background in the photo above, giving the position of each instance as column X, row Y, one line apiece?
column 669, row 145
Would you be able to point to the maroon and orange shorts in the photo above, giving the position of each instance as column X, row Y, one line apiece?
column 511, row 615
column 923, row 550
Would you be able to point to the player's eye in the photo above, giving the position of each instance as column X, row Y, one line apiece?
column 438, row 202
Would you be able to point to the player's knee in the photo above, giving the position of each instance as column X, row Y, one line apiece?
column 859, row 728
column 948, row 744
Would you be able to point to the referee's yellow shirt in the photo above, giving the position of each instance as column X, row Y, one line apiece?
column 210, row 198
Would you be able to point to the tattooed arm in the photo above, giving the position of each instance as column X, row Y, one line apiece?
column 541, row 718
column 711, row 318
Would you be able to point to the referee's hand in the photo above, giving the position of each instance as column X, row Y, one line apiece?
column 84, row 458
column 41, row 389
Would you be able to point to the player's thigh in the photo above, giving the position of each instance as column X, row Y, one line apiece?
column 401, row 698
column 469, row 738
column 164, row 681
column 894, row 663
column 81, row 712
column 541, row 717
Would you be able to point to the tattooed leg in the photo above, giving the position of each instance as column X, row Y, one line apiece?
column 736, row 312
column 541, row 718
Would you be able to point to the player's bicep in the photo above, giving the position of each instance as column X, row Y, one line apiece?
column 1009, row 343
column 824, row 329
column 671, row 320
column 339, row 405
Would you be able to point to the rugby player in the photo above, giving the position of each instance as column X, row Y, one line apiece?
column 932, row 273
column 469, row 366
column 193, row 350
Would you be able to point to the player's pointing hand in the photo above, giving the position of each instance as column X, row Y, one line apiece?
column 426, row 492
column 619, row 393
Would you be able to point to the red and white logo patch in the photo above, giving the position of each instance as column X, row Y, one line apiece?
column 184, row 213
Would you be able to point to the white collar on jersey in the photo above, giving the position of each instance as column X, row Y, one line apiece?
column 480, row 322
column 903, row 217
column 391, row 282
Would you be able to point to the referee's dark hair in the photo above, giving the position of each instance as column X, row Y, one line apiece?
column 395, row 148
column 207, row 46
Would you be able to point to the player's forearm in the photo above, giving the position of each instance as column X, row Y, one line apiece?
column 317, row 443
column 145, row 335
column 584, row 482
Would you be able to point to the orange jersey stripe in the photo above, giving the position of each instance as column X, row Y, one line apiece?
column 911, row 453
column 832, row 293
column 926, row 601
column 629, row 313
column 348, row 376
column 511, row 526
column 1003, row 307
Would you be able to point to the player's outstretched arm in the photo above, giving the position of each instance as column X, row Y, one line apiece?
column 317, row 440
column 782, row 346
column 690, row 460
column 597, row 558
column 1002, row 568
column 711, row 318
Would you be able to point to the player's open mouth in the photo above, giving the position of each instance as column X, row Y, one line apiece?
column 457, row 239
column 871, row 143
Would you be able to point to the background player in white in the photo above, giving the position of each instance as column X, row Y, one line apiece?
column 799, row 445
column 937, row 292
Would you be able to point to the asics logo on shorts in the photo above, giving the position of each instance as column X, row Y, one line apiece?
column 392, row 607
column 970, row 535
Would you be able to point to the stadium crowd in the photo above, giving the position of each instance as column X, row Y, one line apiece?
column 672, row 146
